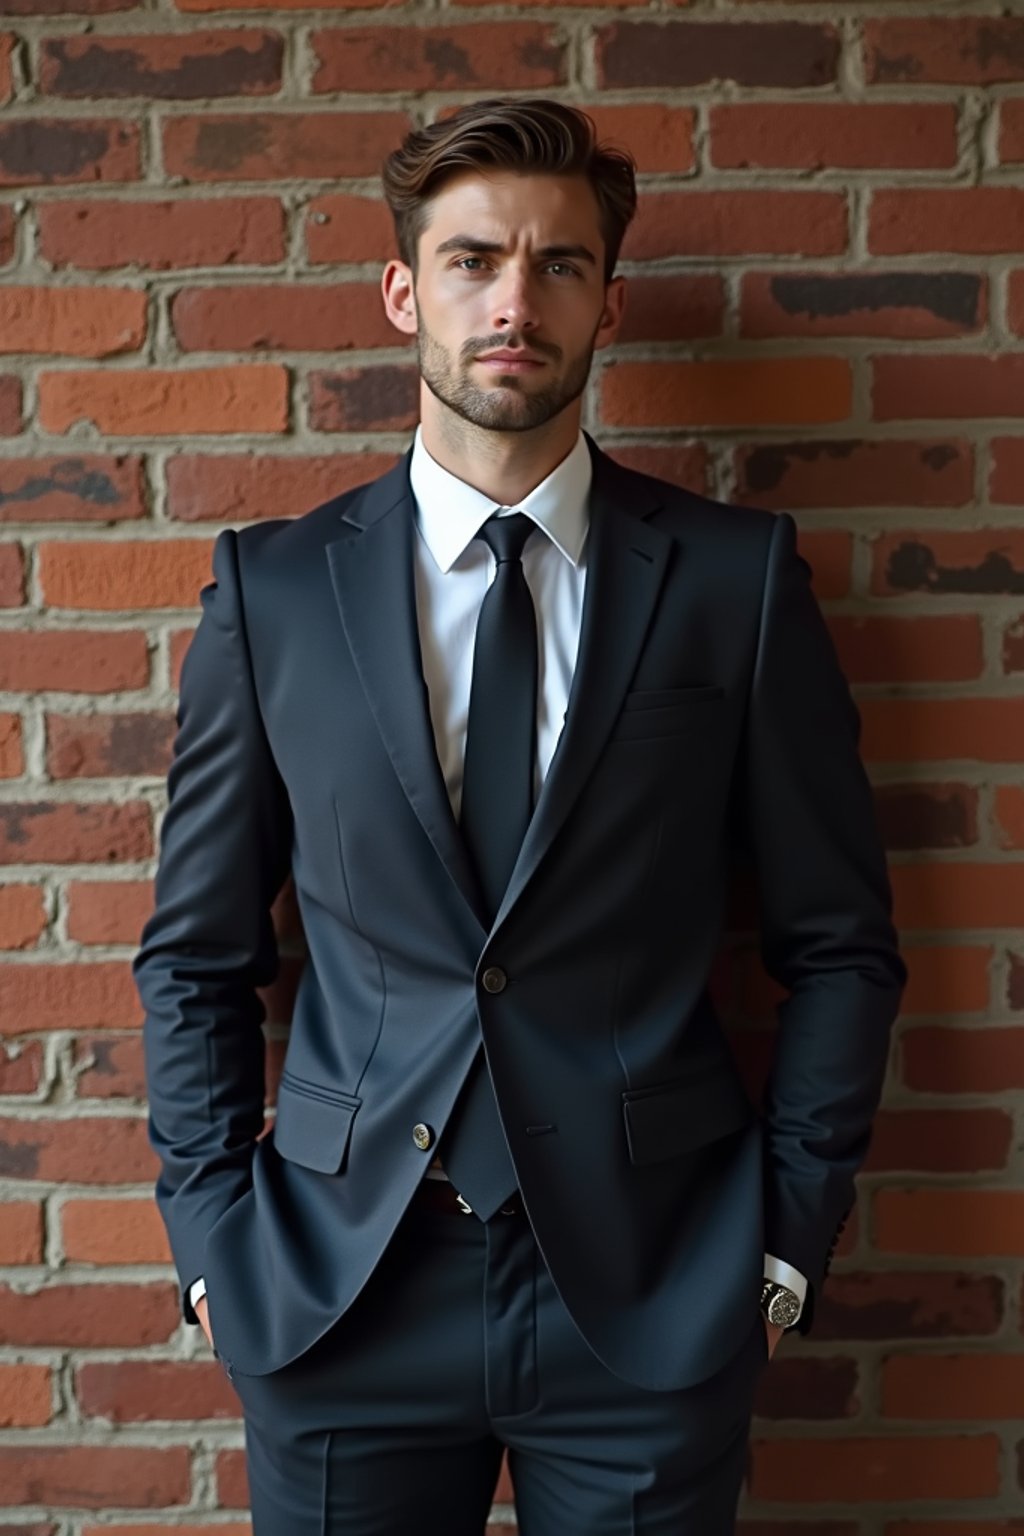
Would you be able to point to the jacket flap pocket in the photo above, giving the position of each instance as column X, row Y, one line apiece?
column 313, row 1130
column 671, row 1118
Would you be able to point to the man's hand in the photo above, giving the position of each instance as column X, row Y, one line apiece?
column 202, row 1311
column 773, row 1331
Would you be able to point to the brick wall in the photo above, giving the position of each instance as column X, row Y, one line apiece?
column 826, row 315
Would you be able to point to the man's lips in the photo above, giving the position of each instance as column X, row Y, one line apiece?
column 512, row 364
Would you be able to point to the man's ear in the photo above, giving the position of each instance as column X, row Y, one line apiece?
column 399, row 292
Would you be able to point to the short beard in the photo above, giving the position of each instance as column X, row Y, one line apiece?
column 505, row 409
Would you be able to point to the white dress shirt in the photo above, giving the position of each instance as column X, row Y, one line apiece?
column 453, row 570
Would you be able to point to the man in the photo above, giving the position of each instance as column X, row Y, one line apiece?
column 505, row 714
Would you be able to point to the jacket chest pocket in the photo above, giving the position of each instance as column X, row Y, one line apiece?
column 313, row 1124
column 650, row 714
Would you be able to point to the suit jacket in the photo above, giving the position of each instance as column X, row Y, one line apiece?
column 707, row 710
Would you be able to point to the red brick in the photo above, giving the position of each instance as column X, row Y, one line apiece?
column 21, row 1232
column 726, row 392
column 936, row 1059
column 937, row 472
column 958, row 386
column 1007, row 470
column 1011, row 131
column 946, row 979
column 347, row 226
column 26, row 1396
column 927, row 815
column 911, row 650
column 977, row 561
column 931, row 730
column 681, row 463
column 235, row 487
column 80, row 323
column 651, row 54
column 940, row 1141
column 861, row 1470
column 22, row 1070
column 232, row 1488
column 1012, row 655
column 383, row 398
column 98, row 1231
column 160, row 402
column 22, row 917
column 737, row 223
column 103, row 746
column 685, row 304
column 108, row 911
column 158, row 236
column 276, row 146
column 808, row 1389
column 97, row 1315
column 850, row 135
column 56, row 151
column 7, row 42
column 10, row 406
column 905, row 304
column 87, row 1151
column 12, row 759
column 660, row 137
column 931, row 1304
column 943, row 50
column 74, row 833
column 109, row 1067
column 958, row 895
column 73, row 660
column 143, row 1391
column 925, row 1386
column 1009, row 814
column 86, row 487
column 489, row 55
column 954, row 1223
column 971, row 220
column 126, row 574
column 82, row 1476
column 188, row 66
column 1015, row 302
column 68, row 995
column 326, row 317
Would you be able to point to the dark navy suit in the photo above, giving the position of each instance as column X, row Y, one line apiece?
column 707, row 712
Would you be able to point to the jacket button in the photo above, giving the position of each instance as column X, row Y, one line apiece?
column 423, row 1136
column 494, row 979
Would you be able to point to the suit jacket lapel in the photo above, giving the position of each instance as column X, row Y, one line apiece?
column 626, row 563
column 374, row 584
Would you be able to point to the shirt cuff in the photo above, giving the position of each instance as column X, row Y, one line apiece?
column 784, row 1274
column 198, row 1288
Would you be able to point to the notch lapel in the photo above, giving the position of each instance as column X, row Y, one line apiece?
column 626, row 562
column 374, row 586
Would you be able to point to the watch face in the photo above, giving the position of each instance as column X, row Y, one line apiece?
column 783, row 1308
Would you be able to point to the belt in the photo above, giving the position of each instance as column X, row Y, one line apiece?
column 441, row 1194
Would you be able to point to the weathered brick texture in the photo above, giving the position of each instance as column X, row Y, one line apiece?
column 826, row 315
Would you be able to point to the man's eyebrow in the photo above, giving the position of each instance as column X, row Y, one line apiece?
column 492, row 248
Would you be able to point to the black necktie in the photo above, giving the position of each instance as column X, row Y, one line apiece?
column 497, row 803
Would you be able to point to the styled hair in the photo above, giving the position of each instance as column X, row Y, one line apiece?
column 527, row 137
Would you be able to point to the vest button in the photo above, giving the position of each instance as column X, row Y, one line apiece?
column 423, row 1136
column 494, row 979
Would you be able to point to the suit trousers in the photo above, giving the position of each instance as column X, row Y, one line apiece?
column 458, row 1348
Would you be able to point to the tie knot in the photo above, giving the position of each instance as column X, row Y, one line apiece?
column 505, row 536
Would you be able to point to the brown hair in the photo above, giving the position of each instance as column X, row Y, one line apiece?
column 534, row 136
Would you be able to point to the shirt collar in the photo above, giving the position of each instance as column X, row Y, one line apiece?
column 450, row 513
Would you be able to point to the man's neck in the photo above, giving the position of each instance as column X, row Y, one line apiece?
column 505, row 466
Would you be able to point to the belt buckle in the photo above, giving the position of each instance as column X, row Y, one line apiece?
column 464, row 1205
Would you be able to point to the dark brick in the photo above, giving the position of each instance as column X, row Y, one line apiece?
column 808, row 1389
column 184, row 68
column 782, row 53
column 364, row 399
column 926, row 1305
column 952, row 296
column 927, row 815
column 48, row 151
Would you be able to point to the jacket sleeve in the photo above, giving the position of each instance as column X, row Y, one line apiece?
column 225, row 847
column 825, row 909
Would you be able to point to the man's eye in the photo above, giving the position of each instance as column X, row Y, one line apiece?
column 564, row 265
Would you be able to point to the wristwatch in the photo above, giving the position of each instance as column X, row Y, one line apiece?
column 779, row 1304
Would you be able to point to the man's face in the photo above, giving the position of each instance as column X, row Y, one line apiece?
column 538, row 286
